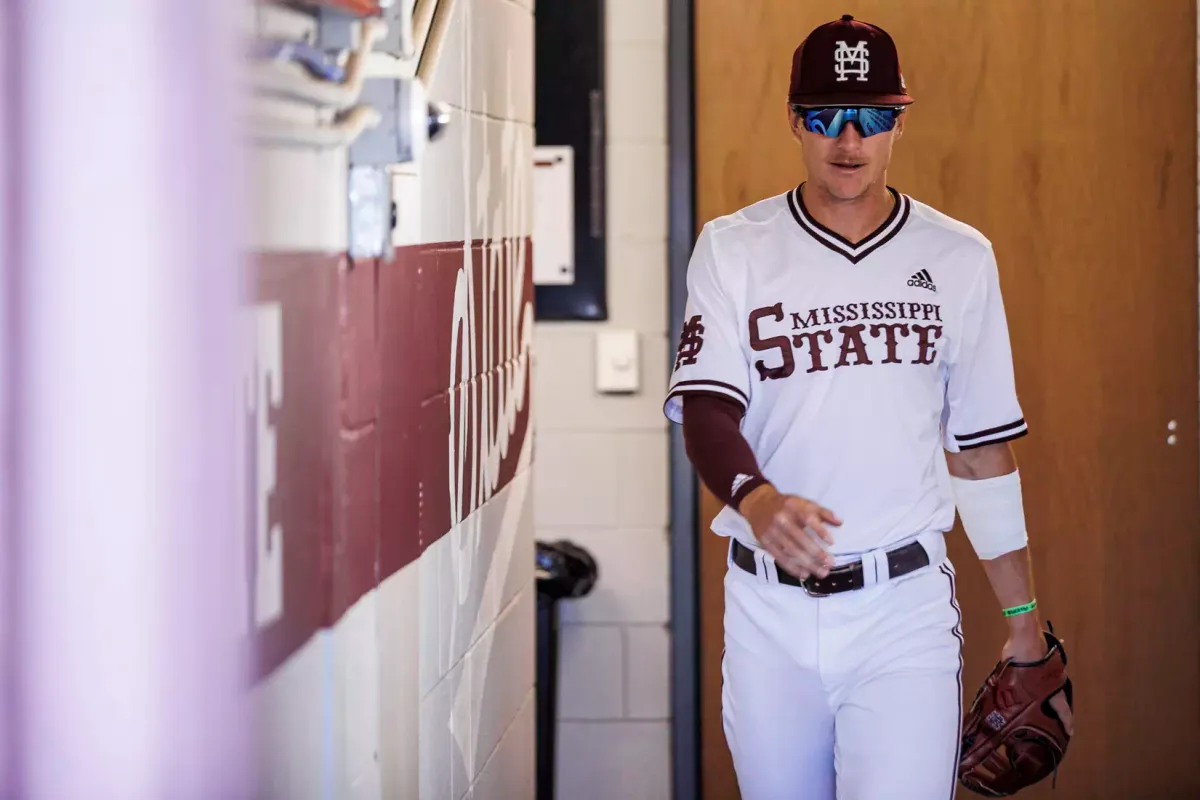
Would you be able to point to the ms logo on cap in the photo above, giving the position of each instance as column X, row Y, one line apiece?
column 851, row 61
column 847, row 62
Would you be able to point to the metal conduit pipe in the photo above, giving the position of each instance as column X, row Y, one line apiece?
column 341, row 133
column 422, row 18
column 432, row 51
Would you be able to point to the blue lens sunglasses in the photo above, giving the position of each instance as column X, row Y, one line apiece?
column 830, row 121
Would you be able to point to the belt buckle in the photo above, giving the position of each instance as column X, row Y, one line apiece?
column 804, row 586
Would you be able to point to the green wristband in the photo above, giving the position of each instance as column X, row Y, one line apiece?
column 1016, row 610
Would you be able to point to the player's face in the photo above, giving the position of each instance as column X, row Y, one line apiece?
column 849, row 165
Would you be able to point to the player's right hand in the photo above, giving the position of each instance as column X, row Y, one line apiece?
column 791, row 530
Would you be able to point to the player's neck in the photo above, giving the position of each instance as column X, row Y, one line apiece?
column 853, row 220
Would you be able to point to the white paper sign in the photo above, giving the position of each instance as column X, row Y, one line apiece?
column 553, row 215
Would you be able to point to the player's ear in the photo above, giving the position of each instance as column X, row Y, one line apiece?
column 794, row 121
column 900, row 123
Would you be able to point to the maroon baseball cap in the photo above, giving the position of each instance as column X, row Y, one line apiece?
column 847, row 63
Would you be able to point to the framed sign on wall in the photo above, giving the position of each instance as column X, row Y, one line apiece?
column 569, row 162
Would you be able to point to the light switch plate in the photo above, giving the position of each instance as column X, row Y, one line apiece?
column 618, row 367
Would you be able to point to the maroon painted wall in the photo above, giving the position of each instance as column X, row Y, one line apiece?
column 364, row 427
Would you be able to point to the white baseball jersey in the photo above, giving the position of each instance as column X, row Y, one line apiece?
column 855, row 363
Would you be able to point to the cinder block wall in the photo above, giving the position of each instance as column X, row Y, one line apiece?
column 390, row 592
column 601, row 466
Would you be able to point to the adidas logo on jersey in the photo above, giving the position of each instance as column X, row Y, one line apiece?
column 923, row 279
column 739, row 482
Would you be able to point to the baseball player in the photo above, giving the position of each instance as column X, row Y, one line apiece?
column 844, row 382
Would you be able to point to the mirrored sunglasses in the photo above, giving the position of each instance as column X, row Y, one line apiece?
column 830, row 121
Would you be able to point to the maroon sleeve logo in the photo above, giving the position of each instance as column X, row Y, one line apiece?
column 691, row 340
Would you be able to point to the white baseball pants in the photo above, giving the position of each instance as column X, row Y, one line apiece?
column 857, row 696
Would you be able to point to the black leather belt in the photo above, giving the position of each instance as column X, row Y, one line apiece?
column 844, row 578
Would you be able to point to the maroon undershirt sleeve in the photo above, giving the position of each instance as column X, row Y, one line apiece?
column 719, row 453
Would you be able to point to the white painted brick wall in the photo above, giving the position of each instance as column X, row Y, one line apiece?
column 624, row 759
column 601, row 466
column 425, row 687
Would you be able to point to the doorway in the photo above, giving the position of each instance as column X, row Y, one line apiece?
column 1066, row 132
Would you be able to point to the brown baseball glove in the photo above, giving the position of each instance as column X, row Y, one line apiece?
column 1012, row 738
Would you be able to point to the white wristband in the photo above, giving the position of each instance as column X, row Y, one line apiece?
column 992, row 513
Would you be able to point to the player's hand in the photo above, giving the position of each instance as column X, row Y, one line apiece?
column 791, row 530
column 1031, row 646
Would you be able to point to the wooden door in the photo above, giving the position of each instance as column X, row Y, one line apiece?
column 1066, row 132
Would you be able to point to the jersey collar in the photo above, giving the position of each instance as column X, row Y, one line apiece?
column 870, row 243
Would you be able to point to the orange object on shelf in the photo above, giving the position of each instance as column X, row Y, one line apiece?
column 362, row 8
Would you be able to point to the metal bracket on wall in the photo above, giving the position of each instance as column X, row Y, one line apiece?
column 371, row 212
column 409, row 122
